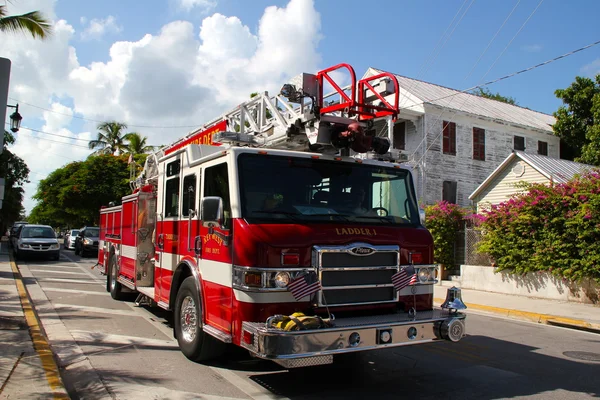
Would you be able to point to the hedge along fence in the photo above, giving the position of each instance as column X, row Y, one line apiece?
column 547, row 228
column 444, row 221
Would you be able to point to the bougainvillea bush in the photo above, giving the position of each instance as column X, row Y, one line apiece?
column 444, row 220
column 547, row 228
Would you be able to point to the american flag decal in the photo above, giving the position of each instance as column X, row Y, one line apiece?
column 402, row 279
column 304, row 285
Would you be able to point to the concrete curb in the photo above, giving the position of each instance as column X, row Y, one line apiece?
column 40, row 342
column 546, row 319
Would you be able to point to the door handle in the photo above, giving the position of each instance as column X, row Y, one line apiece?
column 198, row 246
column 160, row 242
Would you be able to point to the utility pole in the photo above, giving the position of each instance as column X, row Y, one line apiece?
column 4, row 80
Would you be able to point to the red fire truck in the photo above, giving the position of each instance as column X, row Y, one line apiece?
column 220, row 223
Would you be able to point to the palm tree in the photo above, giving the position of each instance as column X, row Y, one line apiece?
column 111, row 138
column 136, row 144
column 33, row 23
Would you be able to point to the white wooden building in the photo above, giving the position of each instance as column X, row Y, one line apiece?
column 455, row 140
column 523, row 167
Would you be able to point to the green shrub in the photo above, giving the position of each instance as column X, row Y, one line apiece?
column 547, row 228
column 444, row 220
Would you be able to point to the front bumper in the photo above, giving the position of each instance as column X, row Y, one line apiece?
column 90, row 248
column 317, row 346
column 38, row 253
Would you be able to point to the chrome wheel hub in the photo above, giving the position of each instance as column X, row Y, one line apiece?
column 188, row 319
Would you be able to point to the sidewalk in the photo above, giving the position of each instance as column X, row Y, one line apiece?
column 27, row 367
column 551, row 312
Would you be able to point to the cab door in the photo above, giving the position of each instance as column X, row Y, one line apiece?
column 216, row 250
column 167, row 241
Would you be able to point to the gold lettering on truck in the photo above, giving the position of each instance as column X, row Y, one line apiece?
column 355, row 231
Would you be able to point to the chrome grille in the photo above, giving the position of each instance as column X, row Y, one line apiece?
column 356, row 274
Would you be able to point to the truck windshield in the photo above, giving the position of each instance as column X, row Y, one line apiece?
column 279, row 189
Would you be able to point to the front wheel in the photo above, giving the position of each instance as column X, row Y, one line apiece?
column 194, row 343
column 114, row 287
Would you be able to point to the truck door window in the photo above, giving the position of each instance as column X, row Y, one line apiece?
column 189, row 195
column 216, row 183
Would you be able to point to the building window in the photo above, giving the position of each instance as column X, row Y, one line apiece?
column 449, row 141
column 519, row 143
column 449, row 191
column 542, row 148
column 400, row 136
column 478, row 144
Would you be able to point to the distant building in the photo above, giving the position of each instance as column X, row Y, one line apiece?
column 520, row 166
column 455, row 140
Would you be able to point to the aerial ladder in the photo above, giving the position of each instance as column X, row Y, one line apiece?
column 302, row 117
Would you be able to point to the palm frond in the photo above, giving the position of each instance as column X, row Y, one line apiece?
column 33, row 22
column 93, row 144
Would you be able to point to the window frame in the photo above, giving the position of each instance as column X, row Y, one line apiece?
column 226, row 200
column 449, row 138
column 542, row 148
column 515, row 142
column 478, row 144
column 399, row 133
column 184, row 195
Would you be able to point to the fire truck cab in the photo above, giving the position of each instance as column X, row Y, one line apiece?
column 216, row 233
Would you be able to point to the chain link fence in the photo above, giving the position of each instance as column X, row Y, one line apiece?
column 467, row 245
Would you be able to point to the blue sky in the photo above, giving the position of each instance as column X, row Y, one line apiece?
column 184, row 62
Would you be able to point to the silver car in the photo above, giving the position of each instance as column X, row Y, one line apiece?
column 70, row 239
column 37, row 240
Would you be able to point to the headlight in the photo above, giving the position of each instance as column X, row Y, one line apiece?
column 55, row 246
column 24, row 246
column 88, row 241
column 424, row 274
column 281, row 279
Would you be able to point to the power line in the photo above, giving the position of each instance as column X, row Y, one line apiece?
column 466, row 99
column 99, row 121
column 513, row 38
column 52, row 134
column 55, row 141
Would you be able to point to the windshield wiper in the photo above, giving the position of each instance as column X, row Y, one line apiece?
column 346, row 217
column 286, row 213
column 379, row 217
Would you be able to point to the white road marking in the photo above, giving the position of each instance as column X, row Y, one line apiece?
column 56, row 272
column 86, row 292
column 99, row 338
column 93, row 310
column 88, row 281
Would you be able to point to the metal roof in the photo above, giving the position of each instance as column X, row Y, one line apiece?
column 430, row 93
column 557, row 170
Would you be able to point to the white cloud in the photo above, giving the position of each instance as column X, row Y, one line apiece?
column 172, row 78
column 202, row 5
column 532, row 48
column 591, row 69
column 99, row 27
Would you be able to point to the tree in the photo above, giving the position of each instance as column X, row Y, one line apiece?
column 137, row 144
column 72, row 195
column 33, row 23
column 578, row 120
column 111, row 138
column 15, row 173
column 484, row 92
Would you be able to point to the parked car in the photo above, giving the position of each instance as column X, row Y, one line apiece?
column 69, row 241
column 14, row 231
column 36, row 240
column 86, row 242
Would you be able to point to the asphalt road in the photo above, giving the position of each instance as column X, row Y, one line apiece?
column 112, row 349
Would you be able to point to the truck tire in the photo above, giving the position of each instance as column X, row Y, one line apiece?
column 194, row 343
column 114, row 287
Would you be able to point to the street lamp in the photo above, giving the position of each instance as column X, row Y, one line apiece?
column 15, row 119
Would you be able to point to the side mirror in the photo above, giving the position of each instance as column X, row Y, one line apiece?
column 422, row 216
column 211, row 210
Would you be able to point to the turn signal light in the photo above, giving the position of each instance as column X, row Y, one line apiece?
column 253, row 279
column 248, row 337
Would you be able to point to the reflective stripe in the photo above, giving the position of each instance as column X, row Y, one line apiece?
column 129, row 252
column 272, row 297
column 211, row 271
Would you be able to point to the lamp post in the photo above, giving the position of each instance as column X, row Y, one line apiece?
column 15, row 118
